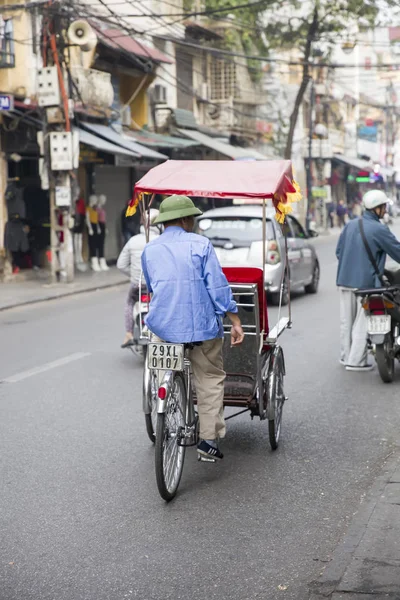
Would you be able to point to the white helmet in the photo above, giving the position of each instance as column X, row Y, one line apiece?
column 374, row 198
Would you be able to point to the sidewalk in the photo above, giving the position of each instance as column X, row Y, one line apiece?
column 328, row 233
column 366, row 566
column 37, row 289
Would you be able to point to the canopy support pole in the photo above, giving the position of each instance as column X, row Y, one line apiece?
column 288, row 276
column 264, row 254
column 145, row 210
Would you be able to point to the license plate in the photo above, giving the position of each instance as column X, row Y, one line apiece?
column 165, row 357
column 379, row 324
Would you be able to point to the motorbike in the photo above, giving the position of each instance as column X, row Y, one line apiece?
column 382, row 307
column 140, row 331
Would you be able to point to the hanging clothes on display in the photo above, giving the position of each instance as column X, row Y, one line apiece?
column 15, row 235
column 102, row 225
column 79, row 225
column 92, row 222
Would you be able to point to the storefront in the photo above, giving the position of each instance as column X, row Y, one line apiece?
column 110, row 164
column 25, row 205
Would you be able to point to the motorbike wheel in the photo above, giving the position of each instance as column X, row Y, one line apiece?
column 385, row 362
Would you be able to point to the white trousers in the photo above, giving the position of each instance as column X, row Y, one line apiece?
column 353, row 330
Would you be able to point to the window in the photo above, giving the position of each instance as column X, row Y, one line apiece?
column 298, row 231
column 7, row 58
column 239, row 231
column 223, row 79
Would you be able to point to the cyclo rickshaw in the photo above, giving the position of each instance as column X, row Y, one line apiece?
column 254, row 371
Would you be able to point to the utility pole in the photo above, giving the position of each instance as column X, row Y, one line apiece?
column 57, row 149
column 309, row 159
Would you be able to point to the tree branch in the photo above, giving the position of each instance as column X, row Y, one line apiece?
column 312, row 31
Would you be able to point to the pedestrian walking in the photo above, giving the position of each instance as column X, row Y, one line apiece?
column 129, row 262
column 356, row 271
column 330, row 208
column 341, row 212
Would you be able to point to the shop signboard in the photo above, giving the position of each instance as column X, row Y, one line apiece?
column 6, row 102
column 89, row 155
column 321, row 193
column 63, row 195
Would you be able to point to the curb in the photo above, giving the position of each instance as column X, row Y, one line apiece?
column 62, row 295
column 327, row 584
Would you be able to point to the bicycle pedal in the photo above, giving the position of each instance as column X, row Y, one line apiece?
column 202, row 458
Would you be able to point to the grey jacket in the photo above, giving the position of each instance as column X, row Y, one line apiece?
column 355, row 269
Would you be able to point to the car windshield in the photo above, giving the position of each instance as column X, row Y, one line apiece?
column 239, row 231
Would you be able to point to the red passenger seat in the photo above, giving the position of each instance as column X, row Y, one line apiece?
column 251, row 275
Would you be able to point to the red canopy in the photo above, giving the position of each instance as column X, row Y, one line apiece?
column 220, row 179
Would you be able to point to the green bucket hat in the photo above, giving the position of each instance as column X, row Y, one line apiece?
column 176, row 207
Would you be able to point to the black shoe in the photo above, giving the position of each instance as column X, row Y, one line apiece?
column 128, row 344
column 205, row 449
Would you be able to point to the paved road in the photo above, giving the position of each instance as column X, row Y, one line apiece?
column 81, row 518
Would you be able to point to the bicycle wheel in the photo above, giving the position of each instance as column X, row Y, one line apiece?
column 276, row 396
column 169, row 455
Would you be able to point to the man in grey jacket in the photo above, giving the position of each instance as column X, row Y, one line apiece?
column 355, row 271
column 129, row 261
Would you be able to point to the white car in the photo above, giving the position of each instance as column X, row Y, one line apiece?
column 236, row 234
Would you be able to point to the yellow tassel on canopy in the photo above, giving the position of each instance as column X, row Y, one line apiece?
column 132, row 208
column 283, row 204
column 294, row 196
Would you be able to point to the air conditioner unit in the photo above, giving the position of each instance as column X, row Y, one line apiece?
column 160, row 94
column 126, row 116
column 203, row 92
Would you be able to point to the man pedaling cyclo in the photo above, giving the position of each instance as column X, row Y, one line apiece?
column 190, row 296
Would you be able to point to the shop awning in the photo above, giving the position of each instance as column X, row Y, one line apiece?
column 227, row 150
column 95, row 142
column 119, row 40
column 356, row 163
column 124, row 141
column 387, row 172
column 156, row 140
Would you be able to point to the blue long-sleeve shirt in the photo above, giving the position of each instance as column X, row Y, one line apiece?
column 190, row 291
column 355, row 269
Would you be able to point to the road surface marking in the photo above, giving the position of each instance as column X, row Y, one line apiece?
column 46, row 367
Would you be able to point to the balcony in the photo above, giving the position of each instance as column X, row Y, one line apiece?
column 93, row 88
column 325, row 148
column 250, row 96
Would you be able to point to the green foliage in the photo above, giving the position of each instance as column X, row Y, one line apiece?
column 246, row 32
column 289, row 21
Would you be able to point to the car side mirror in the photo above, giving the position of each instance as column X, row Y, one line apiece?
column 312, row 233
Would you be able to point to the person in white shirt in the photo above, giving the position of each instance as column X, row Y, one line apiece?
column 129, row 262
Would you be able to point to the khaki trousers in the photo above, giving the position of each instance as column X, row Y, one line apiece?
column 209, row 377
